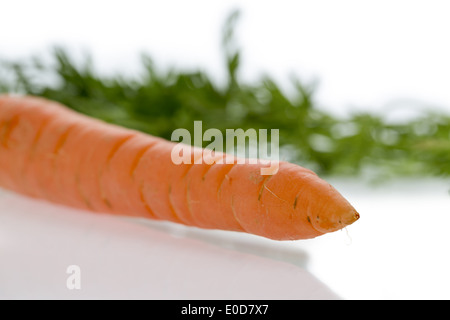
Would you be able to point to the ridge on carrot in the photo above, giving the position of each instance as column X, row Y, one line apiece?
column 50, row 152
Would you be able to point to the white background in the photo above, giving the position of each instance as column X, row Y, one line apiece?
column 366, row 55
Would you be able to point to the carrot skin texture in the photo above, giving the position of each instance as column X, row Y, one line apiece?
column 50, row 152
column 120, row 181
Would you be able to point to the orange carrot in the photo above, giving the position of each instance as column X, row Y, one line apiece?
column 48, row 151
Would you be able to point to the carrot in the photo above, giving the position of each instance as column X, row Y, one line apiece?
column 50, row 152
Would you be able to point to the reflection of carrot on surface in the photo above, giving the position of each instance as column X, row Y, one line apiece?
column 51, row 152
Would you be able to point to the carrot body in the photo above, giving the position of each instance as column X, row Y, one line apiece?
column 50, row 152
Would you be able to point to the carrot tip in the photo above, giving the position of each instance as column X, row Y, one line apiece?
column 355, row 216
column 337, row 222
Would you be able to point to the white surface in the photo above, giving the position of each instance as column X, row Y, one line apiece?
column 119, row 259
column 397, row 250
column 364, row 54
